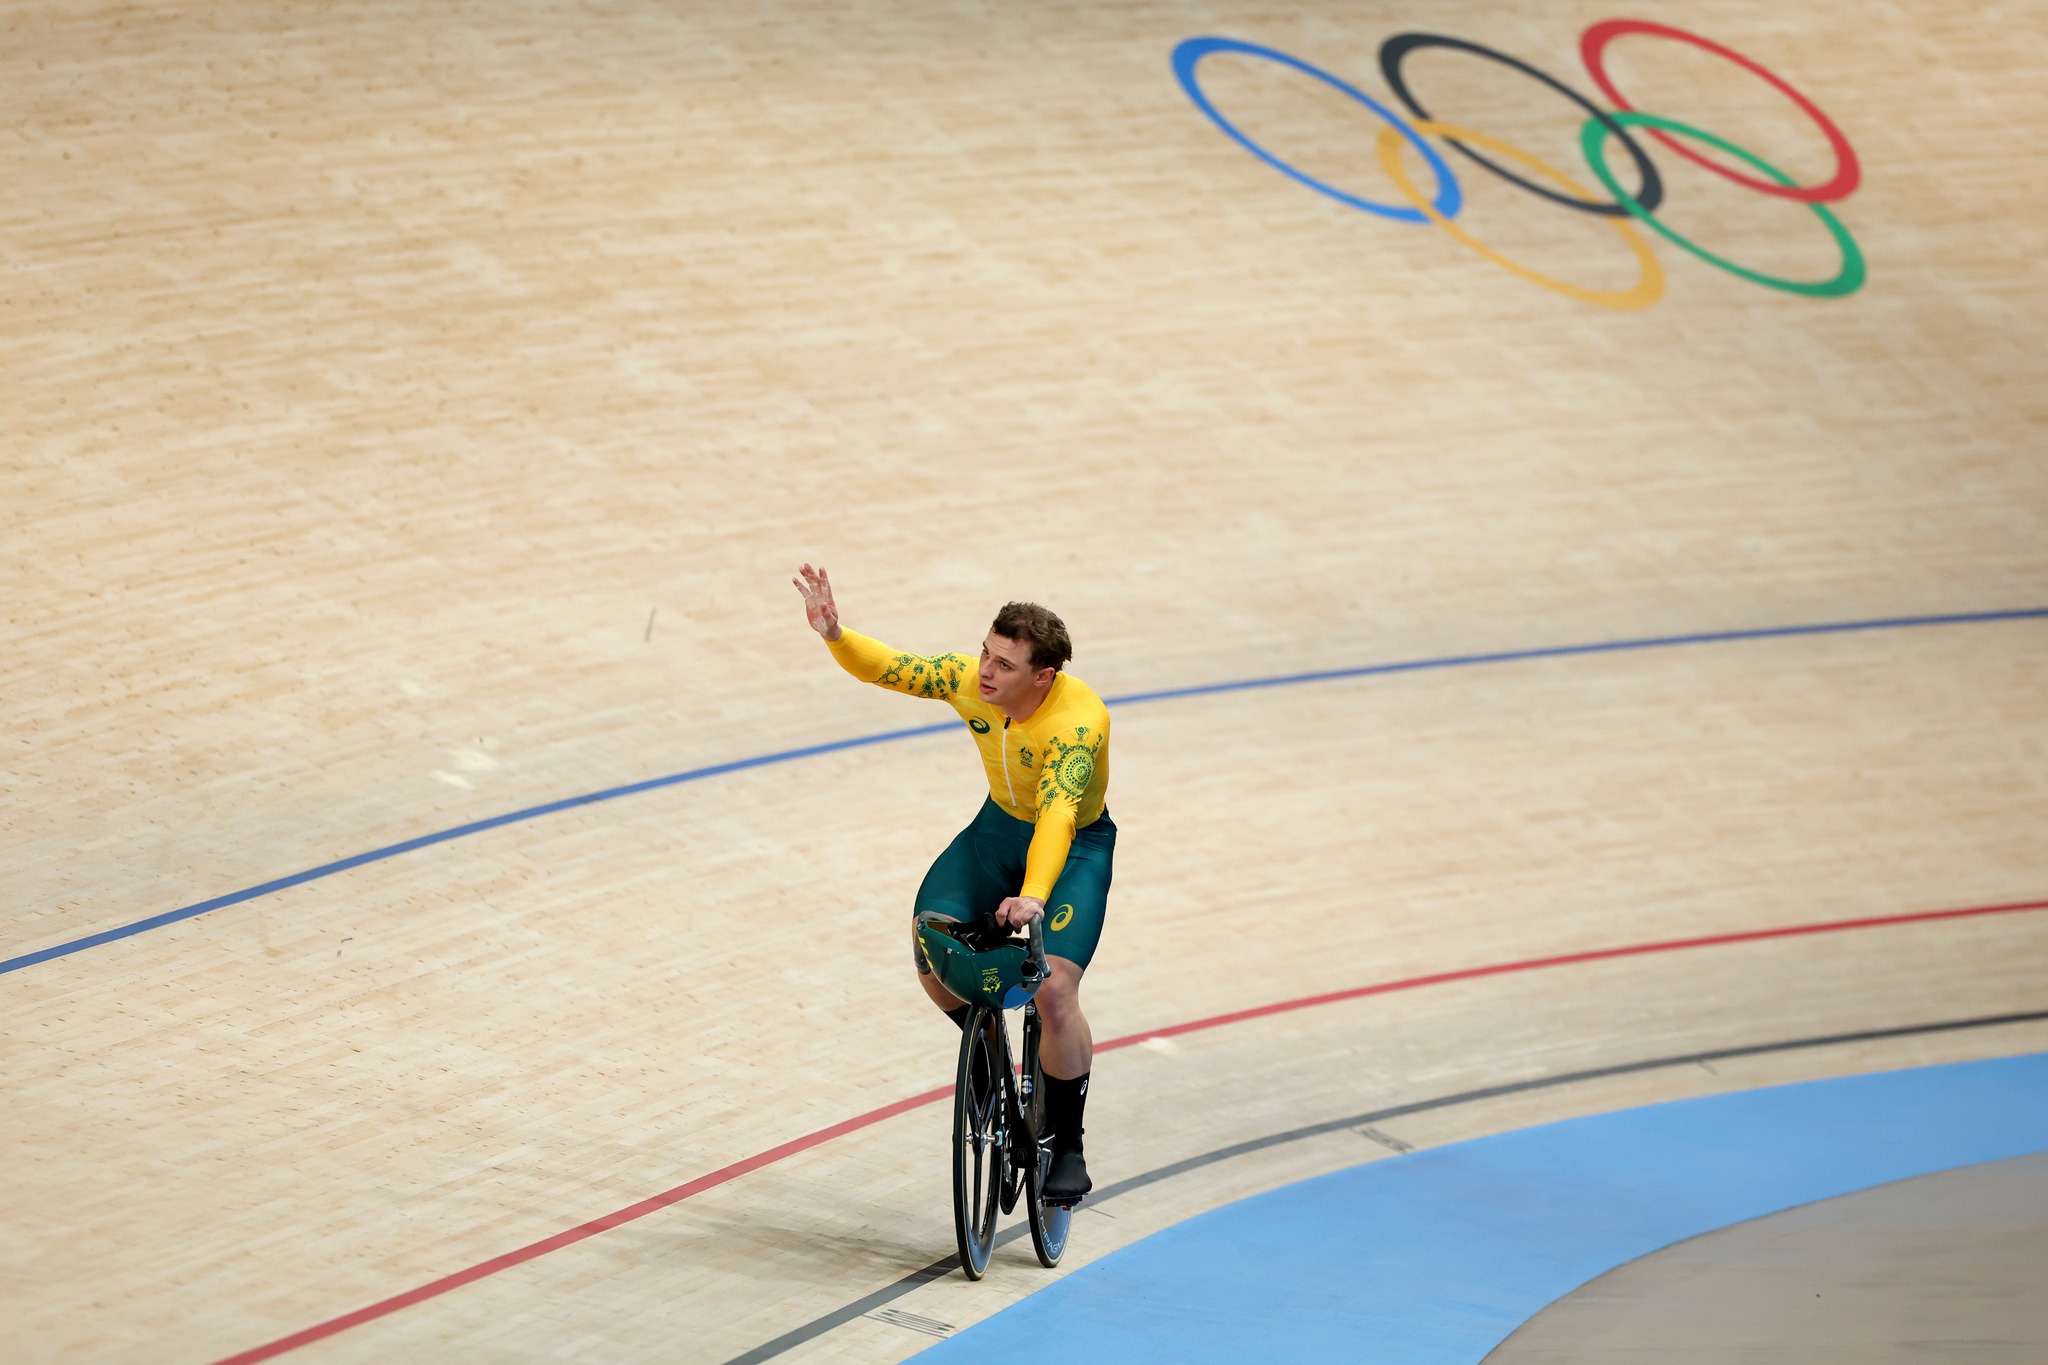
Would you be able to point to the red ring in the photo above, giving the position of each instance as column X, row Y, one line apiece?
column 1848, row 174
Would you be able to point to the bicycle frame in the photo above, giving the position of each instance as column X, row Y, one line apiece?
column 1011, row 1121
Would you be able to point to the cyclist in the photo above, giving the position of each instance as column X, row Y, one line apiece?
column 1042, row 838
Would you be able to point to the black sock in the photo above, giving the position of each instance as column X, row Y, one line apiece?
column 1064, row 1101
column 959, row 1017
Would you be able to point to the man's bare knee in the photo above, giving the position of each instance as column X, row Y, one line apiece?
column 1059, row 999
column 933, row 988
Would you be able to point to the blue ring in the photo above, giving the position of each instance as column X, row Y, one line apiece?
column 1449, row 199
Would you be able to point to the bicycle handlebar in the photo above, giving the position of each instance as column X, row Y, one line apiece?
column 1037, row 962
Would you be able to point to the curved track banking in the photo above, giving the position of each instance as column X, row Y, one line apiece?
column 1440, row 1256
column 571, row 1236
column 376, row 855
column 825, row 1322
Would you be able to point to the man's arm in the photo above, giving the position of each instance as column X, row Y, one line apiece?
column 1068, row 768
column 939, row 676
column 1043, row 863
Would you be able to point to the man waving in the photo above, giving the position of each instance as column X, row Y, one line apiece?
column 1041, row 839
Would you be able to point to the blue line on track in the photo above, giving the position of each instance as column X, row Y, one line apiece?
column 376, row 855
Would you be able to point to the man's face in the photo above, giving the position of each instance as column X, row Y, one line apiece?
column 1006, row 674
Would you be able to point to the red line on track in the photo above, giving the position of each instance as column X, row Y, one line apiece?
column 435, row 1288
column 1566, row 959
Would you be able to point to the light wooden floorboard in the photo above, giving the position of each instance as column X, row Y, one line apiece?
column 414, row 415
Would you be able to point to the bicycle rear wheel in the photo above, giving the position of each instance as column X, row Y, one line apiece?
column 1048, row 1221
column 980, row 1146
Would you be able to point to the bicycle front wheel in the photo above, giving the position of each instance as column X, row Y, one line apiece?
column 979, row 1143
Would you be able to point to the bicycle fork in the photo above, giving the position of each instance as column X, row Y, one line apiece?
column 1031, row 1098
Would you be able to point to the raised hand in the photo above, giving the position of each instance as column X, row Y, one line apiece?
column 819, row 608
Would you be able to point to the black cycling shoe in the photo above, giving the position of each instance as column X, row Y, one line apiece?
column 1067, row 1180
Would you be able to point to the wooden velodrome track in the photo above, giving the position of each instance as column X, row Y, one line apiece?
column 415, row 413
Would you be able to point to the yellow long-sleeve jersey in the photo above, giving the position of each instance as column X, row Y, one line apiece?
column 1052, row 770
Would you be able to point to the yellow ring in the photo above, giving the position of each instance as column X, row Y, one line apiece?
column 1060, row 920
column 1649, row 288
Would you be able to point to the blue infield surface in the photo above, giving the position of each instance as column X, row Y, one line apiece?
column 1434, row 1257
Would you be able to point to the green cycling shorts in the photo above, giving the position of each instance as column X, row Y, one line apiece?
column 984, row 866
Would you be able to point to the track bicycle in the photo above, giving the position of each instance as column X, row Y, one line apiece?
column 1001, row 1150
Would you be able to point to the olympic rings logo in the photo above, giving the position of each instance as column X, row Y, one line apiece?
column 1624, row 210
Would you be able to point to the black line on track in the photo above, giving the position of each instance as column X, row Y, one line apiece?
column 818, row 1326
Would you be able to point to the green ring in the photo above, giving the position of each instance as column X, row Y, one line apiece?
column 1075, row 770
column 1593, row 140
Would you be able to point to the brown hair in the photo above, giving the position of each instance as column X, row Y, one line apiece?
column 1046, row 633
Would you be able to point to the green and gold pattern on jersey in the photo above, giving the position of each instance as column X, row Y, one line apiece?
column 936, row 675
column 1069, row 767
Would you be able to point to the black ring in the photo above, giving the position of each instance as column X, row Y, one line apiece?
column 1395, row 49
